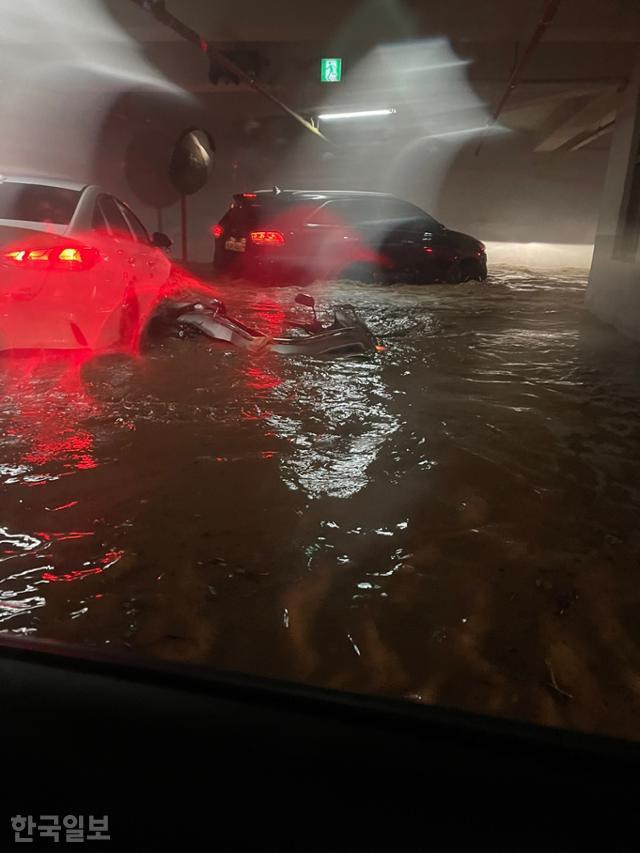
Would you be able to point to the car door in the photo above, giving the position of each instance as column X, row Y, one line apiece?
column 114, row 288
column 404, row 234
column 379, row 234
column 368, row 230
column 334, row 239
column 151, row 265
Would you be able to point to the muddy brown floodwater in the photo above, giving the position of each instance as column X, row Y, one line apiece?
column 453, row 521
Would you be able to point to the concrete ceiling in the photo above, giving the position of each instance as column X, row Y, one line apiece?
column 288, row 20
column 568, row 91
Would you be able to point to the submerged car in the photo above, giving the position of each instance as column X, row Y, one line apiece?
column 346, row 335
column 305, row 234
column 78, row 269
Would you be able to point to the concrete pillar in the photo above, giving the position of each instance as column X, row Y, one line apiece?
column 613, row 294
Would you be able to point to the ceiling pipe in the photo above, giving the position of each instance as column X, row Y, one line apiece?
column 158, row 9
column 548, row 13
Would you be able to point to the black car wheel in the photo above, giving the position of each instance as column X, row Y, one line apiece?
column 467, row 270
column 472, row 271
column 454, row 273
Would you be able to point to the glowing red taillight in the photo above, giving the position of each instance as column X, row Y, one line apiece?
column 70, row 258
column 217, row 231
column 267, row 238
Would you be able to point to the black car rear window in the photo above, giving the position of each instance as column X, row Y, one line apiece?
column 37, row 203
column 248, row 214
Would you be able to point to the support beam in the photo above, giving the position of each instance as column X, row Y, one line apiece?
column 613, row 294
column 528, row 101
column 591, row 116
column 591, row 137
column 548, row 13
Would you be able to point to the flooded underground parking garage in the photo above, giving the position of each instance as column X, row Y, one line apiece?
column 451, row 520
column 319, row 417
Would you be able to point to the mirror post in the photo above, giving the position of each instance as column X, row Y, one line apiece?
column 189, row 170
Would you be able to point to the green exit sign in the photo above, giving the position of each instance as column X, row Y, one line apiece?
column 330, row 70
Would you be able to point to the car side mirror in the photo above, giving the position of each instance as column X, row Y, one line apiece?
column 160, row 240
column 305, row 299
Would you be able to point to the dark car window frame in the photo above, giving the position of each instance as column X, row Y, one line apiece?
column 370, row 213
column 336, row 206
column 134, row 224
column 405, row 212
column 98, row 220
column 120, row 233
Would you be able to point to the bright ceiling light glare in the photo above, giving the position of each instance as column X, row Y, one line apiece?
column 418, row 69
column 357, row 114
column 483, row 128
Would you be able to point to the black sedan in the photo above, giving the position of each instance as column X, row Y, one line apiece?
column 298, row 235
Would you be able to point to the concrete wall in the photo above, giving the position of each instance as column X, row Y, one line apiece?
column 613, row 294
column 510, row 193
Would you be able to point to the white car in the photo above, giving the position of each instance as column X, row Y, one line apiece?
column 78, row 269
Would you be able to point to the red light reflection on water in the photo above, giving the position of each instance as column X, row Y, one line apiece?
column 109, row 559
column 269, row 316
column 75, row 446
column 61, row 507
column 254, row 416
column 50, row 399
column 71, row 576
column 261, row 380
column 63, row 537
